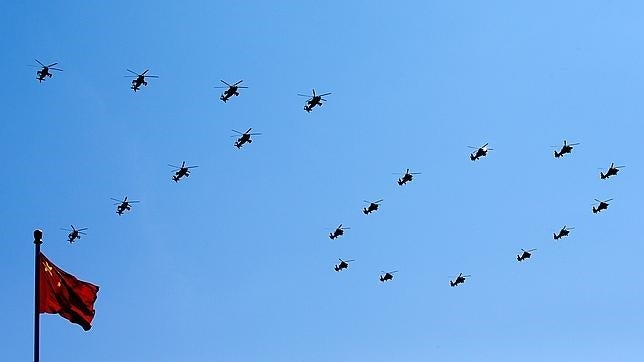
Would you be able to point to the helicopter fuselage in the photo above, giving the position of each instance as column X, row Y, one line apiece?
column 44, row 72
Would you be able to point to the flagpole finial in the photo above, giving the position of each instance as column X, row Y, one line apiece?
column 38, row 236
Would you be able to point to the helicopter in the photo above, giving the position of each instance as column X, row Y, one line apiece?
column 74, row 233
column 123, row 205
column 245, row 137
column 526, row 254
column 342, row 265
column 407, row 177
column 459, row 279
column 315, row 100
column 373, row 206
column 45, row 71
column 179, row 172
column 387, row 275
column 231, row 91
column 612, row 171
column 563, row 232
column 603, row 205
column 566, row 148
column 139, row 79
column 339, row 231
column 480, row 152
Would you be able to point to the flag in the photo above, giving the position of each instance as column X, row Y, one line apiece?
column 61, row 293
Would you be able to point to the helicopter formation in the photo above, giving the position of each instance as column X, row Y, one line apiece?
column 315, row 99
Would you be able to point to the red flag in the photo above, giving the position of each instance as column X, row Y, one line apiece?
column 62, row 293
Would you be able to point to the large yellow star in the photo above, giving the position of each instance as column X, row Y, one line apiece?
column 48, row 268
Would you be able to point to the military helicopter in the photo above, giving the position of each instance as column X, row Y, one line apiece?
column 339, row 231
column 45, row 71
column 612, row 171
column 315, row 100
column 373, row 206
column 74, row 233
column 563, row 232
column 343, row 264
column 139, row 79
column 603, row 205
column 480, row 152
column 526, row 254
column 123, row 205
column 387, row 275
column 179, row 172
column 245, row 137
column 407, row 177
column 566, row 148
column 459, row 279
column 231, row 91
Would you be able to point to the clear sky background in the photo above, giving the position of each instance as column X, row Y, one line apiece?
column 235, row 264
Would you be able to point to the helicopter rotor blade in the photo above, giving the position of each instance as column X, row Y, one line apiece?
column 322, row 95
column 347, row 261
column 240, row 87
column 192, row 167
column 235, row 84
column 248, row 130
column 237, row 131
column 314, row 92
column 58, row 69
column 133, row 72
column 39, row 62
column 392, row 272
column 82, row 229
column 378, row 201
column 255, row 134
column 304, row 95
column 51, row 65
column 147, row 70
column 605, row 201
column 531, row 250
column 151, row 76
column 225, row 83
column 177, row 167
column 113, row 199
column 573, row 144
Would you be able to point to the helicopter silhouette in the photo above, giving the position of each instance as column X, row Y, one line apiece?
column 74, row 233
column 231, row 91
column 139, row 79
column 566, row 148
column 45, row 71
column 387, row 275
column 459, row 279
column 407, row 177
column 179, row 172
column 315, row 100
column 373, row 206
column 603, row 205
column 526, row 254
column 563, row 232
column 245, row 137
column 612, row 171
column 339, row 231
column 123, row 205
column 480, row 152
column 343, row 264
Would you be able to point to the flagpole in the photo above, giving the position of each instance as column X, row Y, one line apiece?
column 37, row 242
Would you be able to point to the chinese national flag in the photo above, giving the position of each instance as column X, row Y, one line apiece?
column 62, row 293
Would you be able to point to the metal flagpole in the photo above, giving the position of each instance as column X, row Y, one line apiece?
column 37, row 242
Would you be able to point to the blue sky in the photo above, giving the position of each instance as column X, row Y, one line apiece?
column 235, row 263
